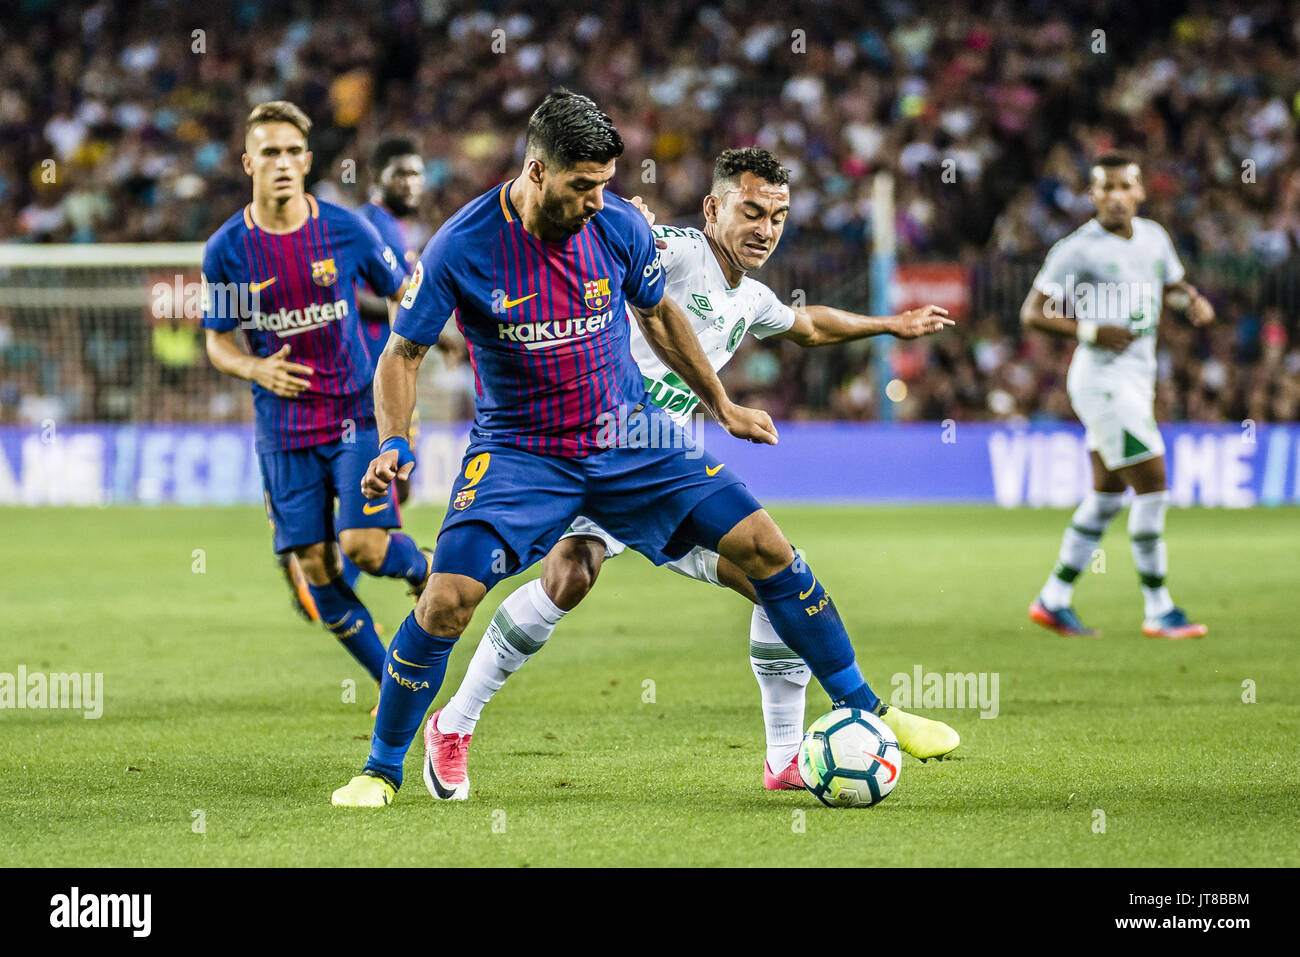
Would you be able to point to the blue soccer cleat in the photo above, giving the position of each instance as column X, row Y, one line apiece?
column 1063, row 621
column 1172, row 626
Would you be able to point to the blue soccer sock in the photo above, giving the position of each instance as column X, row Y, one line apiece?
column 413, row 674
column 806, row 620
column 404, row 560
column 349, row 621
column 350, row 572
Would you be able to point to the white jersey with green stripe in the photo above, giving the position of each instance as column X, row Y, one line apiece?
column 719, row 313
column 1094, row 274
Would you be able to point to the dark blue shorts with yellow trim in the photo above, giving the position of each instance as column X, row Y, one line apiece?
column 301, row 486
column 640, row 495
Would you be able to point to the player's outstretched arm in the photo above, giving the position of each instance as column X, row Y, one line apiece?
column 825, row 325
column 285, row 378
column 1047, row 315
column 671, row 338
column 394, row 402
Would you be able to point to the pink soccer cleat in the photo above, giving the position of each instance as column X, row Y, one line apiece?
column 445, row 758
column 787, row 780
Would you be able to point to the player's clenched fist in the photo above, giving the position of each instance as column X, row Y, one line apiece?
column 1201, row 311
column 920, row 322
column 281, row 376
column 754, row 425
column 394, row 461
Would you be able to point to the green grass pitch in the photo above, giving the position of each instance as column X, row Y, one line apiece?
column 224, row 726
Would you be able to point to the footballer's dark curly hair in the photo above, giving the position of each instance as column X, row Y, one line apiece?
column 389, row 149
column 568, row 128
column 752, row 159
column 1115, row 161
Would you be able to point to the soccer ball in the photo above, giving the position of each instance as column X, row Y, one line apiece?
column 849, row 758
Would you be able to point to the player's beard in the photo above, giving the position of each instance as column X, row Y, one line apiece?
column 399, row 206
column 553, row 213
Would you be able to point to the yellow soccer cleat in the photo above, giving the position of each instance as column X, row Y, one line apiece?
column 920, row 737
column 365, row 790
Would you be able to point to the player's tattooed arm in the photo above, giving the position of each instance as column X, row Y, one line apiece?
column 395, row 385
column 275, row 373
column 671, row 338
column 1047, row 314
column 394, row 402
column 825, row 325
column 1183, row 296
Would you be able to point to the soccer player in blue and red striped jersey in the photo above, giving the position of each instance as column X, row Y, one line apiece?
column 283, row 270
column 537, row 271
column 397, row 172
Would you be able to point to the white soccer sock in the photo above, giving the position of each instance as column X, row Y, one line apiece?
column 782, row 677
column 1146, row 531
column 1080, row 540
column 517, row 632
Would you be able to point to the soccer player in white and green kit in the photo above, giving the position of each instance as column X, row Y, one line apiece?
column 705, row 272
column 1113, row 275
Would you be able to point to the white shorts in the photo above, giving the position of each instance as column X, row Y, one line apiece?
column 1119, row 420
column 699, row 563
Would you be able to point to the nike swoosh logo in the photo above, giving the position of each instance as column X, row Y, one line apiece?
column 409, row 664
column 805, row 594
column 371, row 509
column 893, row 770
column 259, row 286
column 508, row 303
column 713, row 471
column 443, row 792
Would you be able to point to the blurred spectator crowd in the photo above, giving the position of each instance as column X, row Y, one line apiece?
column 123, row 122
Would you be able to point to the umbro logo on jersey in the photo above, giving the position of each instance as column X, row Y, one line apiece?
column 701, row 307
column 552, row 332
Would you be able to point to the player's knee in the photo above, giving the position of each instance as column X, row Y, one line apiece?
column 365, row 547
column 312, row 561
column 447, row 604
column 757, row 547
column 570, row 571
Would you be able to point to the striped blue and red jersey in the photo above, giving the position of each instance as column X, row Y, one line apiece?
column 299, row 289
column 390, row 229
column 544, row 322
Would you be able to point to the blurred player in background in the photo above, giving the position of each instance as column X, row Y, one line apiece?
column 537, row 271
column 706, row 271
column 397, row 184
column 284, row 270
column 1114, row 274
column 397, row 177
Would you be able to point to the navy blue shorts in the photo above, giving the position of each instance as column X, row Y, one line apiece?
column 302, row 484
column 640, row 495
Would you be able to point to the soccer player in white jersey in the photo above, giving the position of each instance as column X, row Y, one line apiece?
column 1105, row 284
column 705, row 271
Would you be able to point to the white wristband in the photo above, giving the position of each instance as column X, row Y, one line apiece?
column 1086, row 331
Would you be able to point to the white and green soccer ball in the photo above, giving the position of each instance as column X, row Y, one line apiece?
column 849, row 758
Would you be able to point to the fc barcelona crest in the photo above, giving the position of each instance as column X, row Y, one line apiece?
column 596, row 294
column 464, row 499
column 324, row 272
